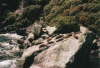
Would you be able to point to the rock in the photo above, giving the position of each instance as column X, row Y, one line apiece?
column 59, row 55
column 84, row 29
column 4, row 39
column 44, row 43
column 59, row 36
column 44, row 36
column 18, row 11
column 15, row 63
column 35, row 29
column 38, row 41
column 8, row 64
column 12, row 36
column 7, row 46
column 20, row 41
column 51, row 30
column 9, row 50
column 30, row 36
column 44, row 33
column 35, row 66
column 29, row 51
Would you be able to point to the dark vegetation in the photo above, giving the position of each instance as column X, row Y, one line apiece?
column 53, row 12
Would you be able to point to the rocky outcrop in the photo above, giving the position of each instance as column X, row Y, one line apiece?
column 58, row 55
column 54, row 51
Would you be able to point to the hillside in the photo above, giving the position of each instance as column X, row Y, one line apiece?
column 52, row 12
column 49, row 33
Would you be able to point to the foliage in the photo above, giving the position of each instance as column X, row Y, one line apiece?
column 86, row 12
column 55, row 13
column 16, row 21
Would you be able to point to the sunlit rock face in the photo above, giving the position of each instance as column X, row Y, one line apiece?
column 29, row 51
column 51, row 30
column 14, row 63
column 84, row 29
column 8, row 64
column 59, row 55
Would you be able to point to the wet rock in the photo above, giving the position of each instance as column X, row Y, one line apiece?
column 9, row 49
column 12, row 36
